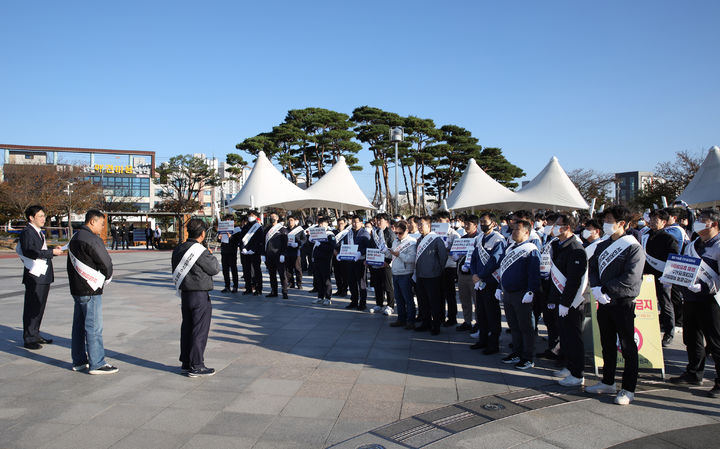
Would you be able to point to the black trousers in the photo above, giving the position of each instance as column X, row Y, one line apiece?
column 323, row 282
column 355, row 275
column 449, row 277
column 148, row 242
column 252, row 274
column 551, row 320
column 701, row 321
column 196, row 314
column 275, row 269
column 33, row 310
column 382, row 282
column 340, row 281
column 115, row 243
column 229, row 265
column 306, row 258
column 676, row 297
column 617, row 320
column 571, row 340
column 665, row 304
column 293, row 271
column 431, row 303
column 488, row 316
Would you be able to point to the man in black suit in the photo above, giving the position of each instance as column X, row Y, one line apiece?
column 37, row 275
column 276, row 241
column 252, row 239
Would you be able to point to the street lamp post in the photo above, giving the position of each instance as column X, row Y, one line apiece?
column 69, row 191
column 396, row 135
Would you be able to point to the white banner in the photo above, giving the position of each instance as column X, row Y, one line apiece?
column 681, row 270
column 374, row 257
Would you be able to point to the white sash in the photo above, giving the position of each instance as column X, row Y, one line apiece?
column 341, row 235
column 273, row 231
column 295, row 230
column 560, row 280
column 657, row 264
column 36, row 267
column 426, row 241
column 404, row 244
column 614, row 250
column 705, row 272
column 516, row 253
column 186, row 263
column 250, row 233
column 379, row 240
column 94, row 278
column 546, row 257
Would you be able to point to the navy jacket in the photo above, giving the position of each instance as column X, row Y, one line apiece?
column 494, row 243
column 524, row 274
column 199, row 278
column 31, row 244
column 622, row 279
column 361, row 238
column 257, row 242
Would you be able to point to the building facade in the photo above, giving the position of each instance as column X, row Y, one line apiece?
column 629, row 184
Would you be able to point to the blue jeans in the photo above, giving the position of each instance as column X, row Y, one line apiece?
column 87, row 332
column 404, row 298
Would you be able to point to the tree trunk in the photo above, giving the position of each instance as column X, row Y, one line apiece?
column 407, row 190
column 386, row 181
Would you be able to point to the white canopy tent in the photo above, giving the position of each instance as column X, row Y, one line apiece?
column 476, row 189
column 337, row 189
column 267, row 187
column 550, row 189
column 704, row 189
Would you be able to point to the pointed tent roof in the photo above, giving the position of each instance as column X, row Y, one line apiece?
column 337, row 189
column 476, row 189
column 550, row 189
column 267, row 187
column 704, row 189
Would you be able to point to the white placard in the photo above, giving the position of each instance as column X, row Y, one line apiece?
column 347, row 252
column 226, row 226
column 441, row 229
column 318, row 234
column 461, row 246
column 374, row 257
column 681, row 270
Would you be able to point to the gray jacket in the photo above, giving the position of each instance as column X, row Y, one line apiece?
column 432, row 261
column 622, row 279
column 199, row 278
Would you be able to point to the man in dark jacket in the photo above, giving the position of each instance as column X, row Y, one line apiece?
column 658, row 245
column 296, row 239
column 228, row 257
column 193, row 268
column 37, row 275
column 273, row 255
column 252, row 239
column 568, row 281
column 123, row 233
column 429, row 266
column 149, row 236
column 89, row 269
column 381, row 279
column 340, row 282
column 615, row 272
column 115, row 236
column 322, row 256
column 355, row 269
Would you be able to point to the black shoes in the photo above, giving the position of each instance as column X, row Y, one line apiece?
column 715, row 391
column 667, row 340
column 435, row 331
column 105, row 369
column 478, row 345
column 490, row 351
column 685, row 379
column 314, row 290
column 351, row 306
column 257, row 293
column 285, row 296
column 272, row 295
column 422, row 328
column 45, row 341
column 362, row 307
column 225, row 290
column 339, row 294
column 234, row 290
column 247, row 292
column 463, row 327
column 34, row 346
column 201, row 372
column 548, row 354
column 450, row 323
column 398, row 324
column 409, row 326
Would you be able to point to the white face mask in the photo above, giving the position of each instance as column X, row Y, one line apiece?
column 699, row 226
column 547, row 230
column 609, row 229
column 555, row 231
column 251, row 219
column 538, row 224
column 586, row 233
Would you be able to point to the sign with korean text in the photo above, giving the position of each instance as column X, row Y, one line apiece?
column 374, row 257
column 109, row 168
column 441, row 229
column 225, row 230
column 681, row 270
column 460, row 247
column 348, row 252
column 647, row 329
column 318, row 234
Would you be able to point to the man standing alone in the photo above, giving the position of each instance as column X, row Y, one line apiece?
column 89, row 269
column 193, row 268
column 37, row 275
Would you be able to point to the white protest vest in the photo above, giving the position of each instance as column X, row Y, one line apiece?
column 94, row 278
column 560, row 280
column 426, row 241
column 36, row 267
column 250, row 233
column 655, row 263
column 186, row 263
column 516, row 253
column 274, row 230
column 705, row 272
column 613, row 251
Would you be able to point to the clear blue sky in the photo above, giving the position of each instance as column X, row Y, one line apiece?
column 613, row 85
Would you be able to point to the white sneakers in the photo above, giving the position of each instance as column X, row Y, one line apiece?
column 326, row 302
column 572, row 381
column 563, row 373
column 375, row 309
column 600, row 387
column 624, row 397
column 387, row 310
column 317, row 301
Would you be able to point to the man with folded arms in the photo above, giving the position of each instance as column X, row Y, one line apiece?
column 568, row 281
column 193, row 268
column 519, row 279
column 89, row 269
column 615, row 273
column 37, row 275
column 701, row 309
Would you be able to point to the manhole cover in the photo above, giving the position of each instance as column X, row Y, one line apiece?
column 493, row 406
column 371, row 446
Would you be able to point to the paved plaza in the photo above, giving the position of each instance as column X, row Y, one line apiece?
column 295, row 375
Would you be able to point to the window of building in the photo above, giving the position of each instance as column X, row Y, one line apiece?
column 208, row 204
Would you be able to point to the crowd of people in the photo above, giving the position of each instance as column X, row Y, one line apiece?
column 531, row 266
